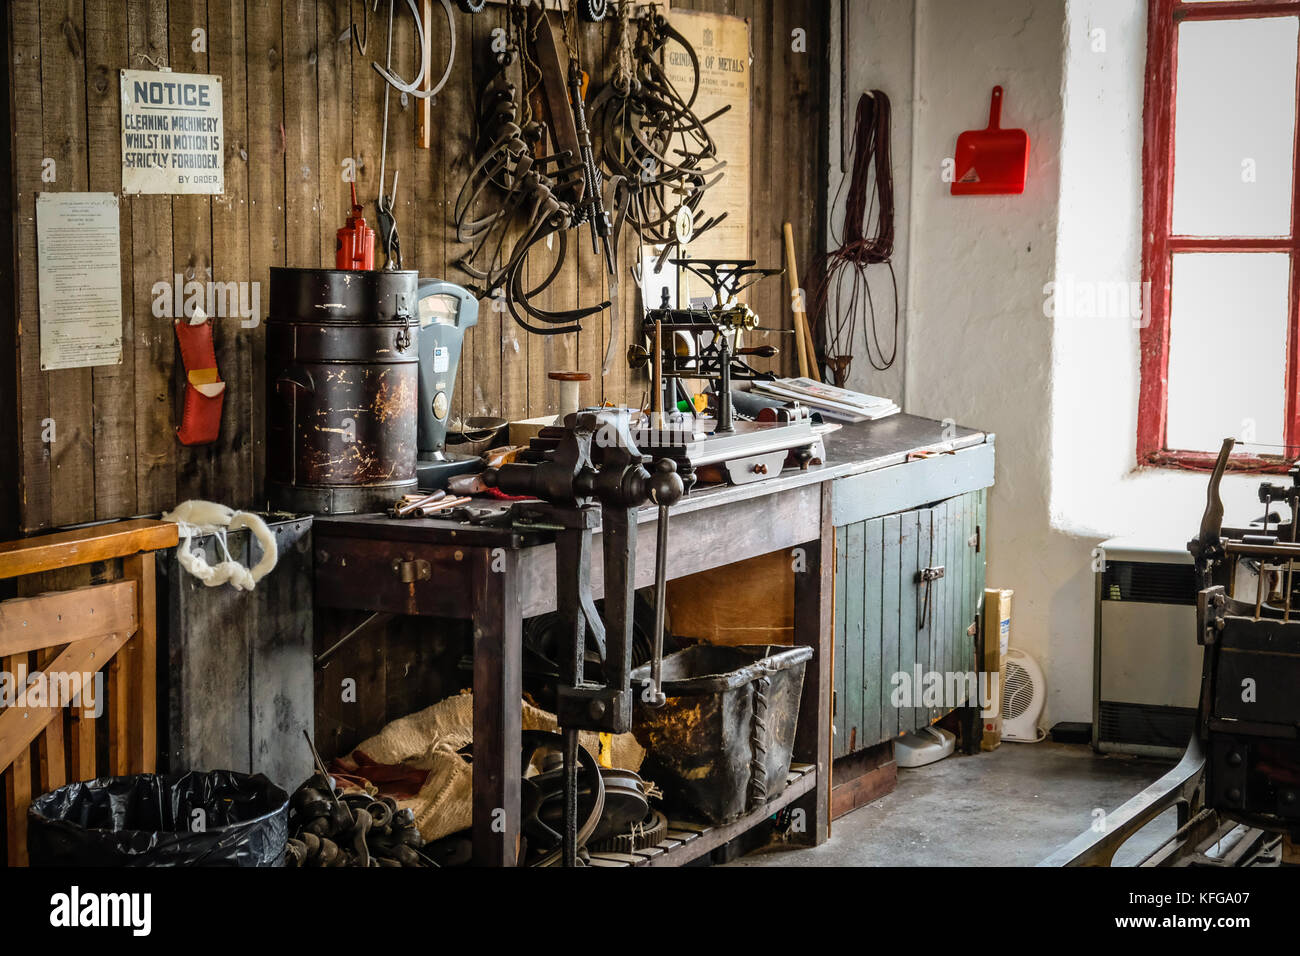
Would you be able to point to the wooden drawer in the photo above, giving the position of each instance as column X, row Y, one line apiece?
column 399, row 577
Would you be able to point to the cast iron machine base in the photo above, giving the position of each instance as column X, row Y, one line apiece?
column 596, row 478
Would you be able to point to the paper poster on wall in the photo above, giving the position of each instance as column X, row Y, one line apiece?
column 172, row 136
column 722, row 45
column 79, row 268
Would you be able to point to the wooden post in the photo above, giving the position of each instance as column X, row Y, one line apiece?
column 141, row 665
column 814, row 591
column 18, row 789
column 498, row 697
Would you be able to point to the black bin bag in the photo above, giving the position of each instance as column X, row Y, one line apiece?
column 218, row 818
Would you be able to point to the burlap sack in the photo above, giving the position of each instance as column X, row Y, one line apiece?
column 428, row 740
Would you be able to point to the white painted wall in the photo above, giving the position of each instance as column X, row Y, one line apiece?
column 979, row 347
column 1060, row 392
column 880, row 35
column 1095, row 490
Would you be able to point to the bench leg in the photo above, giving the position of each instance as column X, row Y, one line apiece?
column 498, row 692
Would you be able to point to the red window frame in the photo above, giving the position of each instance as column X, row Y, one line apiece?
column 1159, row 244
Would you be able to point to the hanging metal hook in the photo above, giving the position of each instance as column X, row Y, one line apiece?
column 360, row 44
column 412, row 88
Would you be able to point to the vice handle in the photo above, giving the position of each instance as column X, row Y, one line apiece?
column 666, row 488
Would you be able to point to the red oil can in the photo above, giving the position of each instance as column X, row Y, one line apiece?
column 356, row 241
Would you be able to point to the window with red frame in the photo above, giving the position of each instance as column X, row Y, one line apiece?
column 1221, row 340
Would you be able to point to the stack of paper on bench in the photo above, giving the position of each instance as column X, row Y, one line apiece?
column 841, row 404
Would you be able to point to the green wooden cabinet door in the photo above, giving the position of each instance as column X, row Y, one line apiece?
column 890, row 622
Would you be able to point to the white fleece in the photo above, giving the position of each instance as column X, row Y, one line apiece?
column 196, row 517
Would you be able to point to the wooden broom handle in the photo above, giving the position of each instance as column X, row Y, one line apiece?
column 802, row 333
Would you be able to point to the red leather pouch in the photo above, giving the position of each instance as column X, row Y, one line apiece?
column 205, row 392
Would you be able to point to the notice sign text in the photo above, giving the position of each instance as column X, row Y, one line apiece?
column 172, row 137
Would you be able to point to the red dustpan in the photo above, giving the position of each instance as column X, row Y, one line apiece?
column 993, row 160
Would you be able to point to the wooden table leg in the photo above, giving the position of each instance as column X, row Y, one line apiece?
column 814, row 591
column 498, row 691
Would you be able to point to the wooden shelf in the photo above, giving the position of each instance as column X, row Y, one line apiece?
column 687, row 841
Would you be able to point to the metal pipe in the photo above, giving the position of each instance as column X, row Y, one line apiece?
column 725, row 411
column 1284, row 549
column 657, row 401
column 569, row 856
column 1290, row 564
column 408, row 505
column 377, row 618
column 656, row 696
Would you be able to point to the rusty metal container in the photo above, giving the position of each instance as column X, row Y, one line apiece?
column 722, row 743
column 342, row 389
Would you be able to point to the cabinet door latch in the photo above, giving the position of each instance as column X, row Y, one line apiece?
column 927, row 576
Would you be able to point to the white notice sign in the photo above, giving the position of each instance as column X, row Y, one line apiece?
column 172, row 136
column 78, row 254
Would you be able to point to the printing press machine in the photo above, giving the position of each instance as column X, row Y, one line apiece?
column 1237, row 786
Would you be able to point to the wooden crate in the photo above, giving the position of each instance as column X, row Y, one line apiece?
column 237, row 666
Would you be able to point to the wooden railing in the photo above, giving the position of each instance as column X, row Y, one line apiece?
column 107, row 629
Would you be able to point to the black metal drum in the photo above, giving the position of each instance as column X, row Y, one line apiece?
column 342, row 384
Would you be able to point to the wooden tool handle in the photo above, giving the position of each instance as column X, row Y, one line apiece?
column 424, row 107
column 803, row 334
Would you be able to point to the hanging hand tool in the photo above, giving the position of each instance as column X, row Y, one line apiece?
column 388, row 227
column 555, row 99
column 592, row 201
column 651, row 136
column 518, row 194
column 384, row 202
column 418, row 88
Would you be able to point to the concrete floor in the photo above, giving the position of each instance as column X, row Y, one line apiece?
column 1011, row 807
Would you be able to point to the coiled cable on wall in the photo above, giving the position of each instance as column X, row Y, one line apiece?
column 870, row 194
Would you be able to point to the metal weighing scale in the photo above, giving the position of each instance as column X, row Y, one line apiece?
column 446, row 311
column 743, row 451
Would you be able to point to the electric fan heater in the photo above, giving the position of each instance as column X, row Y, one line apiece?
column 1024, row 693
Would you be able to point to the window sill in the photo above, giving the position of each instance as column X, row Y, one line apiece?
column 1204, row 461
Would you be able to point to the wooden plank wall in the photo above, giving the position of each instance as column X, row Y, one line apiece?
column 299, row 102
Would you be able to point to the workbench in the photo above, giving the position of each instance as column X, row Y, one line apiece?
column 497, row 577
